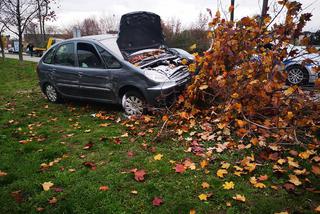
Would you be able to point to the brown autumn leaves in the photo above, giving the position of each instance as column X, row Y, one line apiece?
column 240, row 85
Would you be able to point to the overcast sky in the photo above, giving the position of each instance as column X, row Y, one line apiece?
column 73, row 11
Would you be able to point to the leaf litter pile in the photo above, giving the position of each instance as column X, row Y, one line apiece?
column 293, row 168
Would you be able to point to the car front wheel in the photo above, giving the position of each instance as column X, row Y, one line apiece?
column 133, row 103
column 51, row 93
column 297, row 75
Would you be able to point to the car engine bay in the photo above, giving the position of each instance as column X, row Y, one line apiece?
column 159, row 60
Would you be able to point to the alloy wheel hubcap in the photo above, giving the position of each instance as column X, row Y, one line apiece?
column 51, row 93
column 295, row 76
column 132, row 105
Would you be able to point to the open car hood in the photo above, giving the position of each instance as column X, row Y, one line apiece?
column 138, row 31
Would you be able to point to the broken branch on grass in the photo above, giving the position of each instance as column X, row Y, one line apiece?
column 262, row 126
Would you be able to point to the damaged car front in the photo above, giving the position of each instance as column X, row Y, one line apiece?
column 141, row 42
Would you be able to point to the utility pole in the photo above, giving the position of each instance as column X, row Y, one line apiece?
column 264, row 11
column 232, row 11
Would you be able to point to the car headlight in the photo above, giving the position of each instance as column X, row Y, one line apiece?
column 156, row 76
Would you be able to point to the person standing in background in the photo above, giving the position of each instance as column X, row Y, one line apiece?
column 31, row 49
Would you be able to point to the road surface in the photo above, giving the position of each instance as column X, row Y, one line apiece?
column 25, row 57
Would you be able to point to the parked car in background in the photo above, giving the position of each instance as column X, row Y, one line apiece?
column 135, row 69
column 300, row 73
column 14, row 47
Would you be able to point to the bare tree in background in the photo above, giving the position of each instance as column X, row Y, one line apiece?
column 16, row 15
column 171, row 28
column 45, row 13
column 31, row 28
column 201, row 22
column 109, row 23
column 175, row 24
column 53, row 30
column 179, row 37
column 90, row 26
column 68, row 31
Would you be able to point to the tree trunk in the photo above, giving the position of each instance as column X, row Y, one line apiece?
column 19, row 28
column 43, row 30
column 2, row 46
column 264, row 11
column 20, row 46
column 232, row 12
column 41, row 23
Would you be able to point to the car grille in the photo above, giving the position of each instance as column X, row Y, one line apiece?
column 181, row 76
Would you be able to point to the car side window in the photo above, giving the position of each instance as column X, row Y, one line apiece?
column 88, row 56
column 65, row 55
column 48, row 58
column 110, row 61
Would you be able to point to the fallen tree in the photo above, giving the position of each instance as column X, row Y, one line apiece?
column 240, row 81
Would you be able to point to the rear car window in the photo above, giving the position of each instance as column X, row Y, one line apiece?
column 65, row 55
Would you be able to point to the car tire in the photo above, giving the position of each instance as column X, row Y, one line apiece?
column 133, row 103
column 51, row 93
column 297, row 75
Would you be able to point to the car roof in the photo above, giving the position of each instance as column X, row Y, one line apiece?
column 108, row 40
column 94, row 37
column 100, row 37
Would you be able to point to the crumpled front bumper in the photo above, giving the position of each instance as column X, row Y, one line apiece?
column 166, row 93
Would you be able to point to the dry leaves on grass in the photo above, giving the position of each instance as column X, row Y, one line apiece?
column 157, row 201
column 228, row 185
column 179, row 168
column 2, row 174
column 221, row 173
column 205, row 185
column 103, row 188
column 53, row 200
column 158, row 157
column 203, row 197
column 138, row 174
column 239, row 197
column 47, row 185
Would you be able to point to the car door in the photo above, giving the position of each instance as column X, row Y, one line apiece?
column 64, row 72
column 95, row 77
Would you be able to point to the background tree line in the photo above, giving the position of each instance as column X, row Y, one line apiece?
column 176, row 35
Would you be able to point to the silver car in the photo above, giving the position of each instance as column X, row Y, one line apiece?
column 134, row 68
column 300, row 73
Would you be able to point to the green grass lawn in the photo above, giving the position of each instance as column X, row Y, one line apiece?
column 34, row 131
